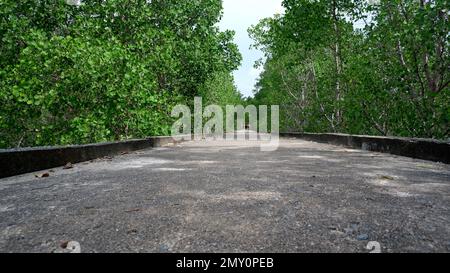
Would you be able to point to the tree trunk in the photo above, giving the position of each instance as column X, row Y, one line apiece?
column 337, row 61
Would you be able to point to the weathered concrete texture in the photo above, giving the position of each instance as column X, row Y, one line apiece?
column 24, row 160
column 222, row 197
column 427, row 149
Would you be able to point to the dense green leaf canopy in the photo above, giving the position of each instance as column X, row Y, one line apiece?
column 104, row 70
column 329, row 74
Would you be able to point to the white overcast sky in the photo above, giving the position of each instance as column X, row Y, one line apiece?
column 239, row 15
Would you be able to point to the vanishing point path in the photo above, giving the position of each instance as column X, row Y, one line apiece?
column 231, row 197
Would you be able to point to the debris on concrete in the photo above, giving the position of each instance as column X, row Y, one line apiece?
column 42, row 175
column 231, row 197
column 68, row 166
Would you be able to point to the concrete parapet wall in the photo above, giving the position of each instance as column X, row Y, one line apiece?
column 25, row 160
column 426, row 149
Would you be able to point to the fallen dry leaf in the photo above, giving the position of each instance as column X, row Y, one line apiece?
column 132, row 210
column 386, row 177
column 132, row 231
column 42, row 175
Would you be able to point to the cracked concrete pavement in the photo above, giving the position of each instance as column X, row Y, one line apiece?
column 216, row 196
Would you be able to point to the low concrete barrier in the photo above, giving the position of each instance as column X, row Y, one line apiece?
column 426, row 149
column 25, row 160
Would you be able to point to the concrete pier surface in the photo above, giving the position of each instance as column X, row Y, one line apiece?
column 218, row 196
